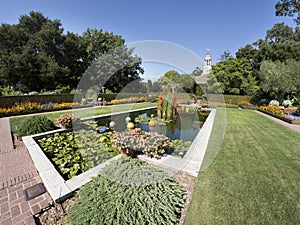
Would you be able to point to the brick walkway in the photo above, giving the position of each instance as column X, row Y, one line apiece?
column 17, row 173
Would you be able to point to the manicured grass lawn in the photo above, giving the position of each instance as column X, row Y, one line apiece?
column 17, row 121
column 255, row 178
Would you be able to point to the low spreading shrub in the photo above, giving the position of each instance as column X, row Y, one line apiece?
column 35, row 125
column 128, row 191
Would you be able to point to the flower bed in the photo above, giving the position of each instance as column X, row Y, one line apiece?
column 227, row 105
column 284, row 114
column 32, row 107
column 247, row 105
column 128, row 100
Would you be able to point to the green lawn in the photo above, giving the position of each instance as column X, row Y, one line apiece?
column 17, row 121
column 255, row 178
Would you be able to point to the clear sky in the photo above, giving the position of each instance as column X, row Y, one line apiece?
column 197, row 25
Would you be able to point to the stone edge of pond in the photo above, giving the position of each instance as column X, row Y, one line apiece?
column 59, row 189
column 191, row 162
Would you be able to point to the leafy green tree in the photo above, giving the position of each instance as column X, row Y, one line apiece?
column 280, row 78
column 113, row 70
column 197, row 71
column 36, row 55
column 225, row 55
column 279, row 33
column 288, row 8
column 187, row 83
column 234, row 76
column 149, row 86
column 171, row 75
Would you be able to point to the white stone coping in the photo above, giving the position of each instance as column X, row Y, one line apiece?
column 192, row 160
column 55, row 184
column 58, row 188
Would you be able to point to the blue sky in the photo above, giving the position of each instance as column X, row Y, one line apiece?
column 196, row 25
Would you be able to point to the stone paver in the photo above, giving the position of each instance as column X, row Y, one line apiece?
column 17, row 173
column 286, row 124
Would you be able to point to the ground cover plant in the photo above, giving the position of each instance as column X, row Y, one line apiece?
column 254, row 179
column 128, row 191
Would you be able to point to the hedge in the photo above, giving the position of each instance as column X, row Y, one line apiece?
column 229, row 98
column 8, row 101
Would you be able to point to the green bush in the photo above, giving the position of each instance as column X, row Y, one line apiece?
column 128, row 191
column 36, row 125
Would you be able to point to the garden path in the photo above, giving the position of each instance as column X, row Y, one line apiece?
column 291, row 126
column 17, row 173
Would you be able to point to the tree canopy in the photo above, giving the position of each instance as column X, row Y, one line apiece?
column 279, row 78
column 36, row 55
column 234, row 77
column 288, row 8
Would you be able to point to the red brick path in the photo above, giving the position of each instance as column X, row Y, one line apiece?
column 17, row 173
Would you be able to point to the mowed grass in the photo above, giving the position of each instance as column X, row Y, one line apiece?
column 255, row 178
column 17, row 121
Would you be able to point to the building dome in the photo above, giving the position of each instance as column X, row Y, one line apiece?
column 207, row 57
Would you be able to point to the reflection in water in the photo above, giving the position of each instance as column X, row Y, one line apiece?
column 184, row 126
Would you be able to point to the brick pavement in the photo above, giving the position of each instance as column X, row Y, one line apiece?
column 17, row 173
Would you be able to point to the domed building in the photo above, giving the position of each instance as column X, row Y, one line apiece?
column 202, row 79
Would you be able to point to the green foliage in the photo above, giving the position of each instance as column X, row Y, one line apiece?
column 75, row 152
column 136, row 140
column 128, row 191
column 35, row 125
column 36, row 54
column 280, row 78
column 113, row 70
column 288, row 8
column 234, row 76
column 7, row 91
column 179, row 147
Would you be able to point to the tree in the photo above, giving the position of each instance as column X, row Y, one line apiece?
column 288, row 8
column 197, row 71
column 225, row 55
column 280, row 33
column 187, row 83
column 113, row 70
column 234, row 76
column 280, row 78
column 149, row 86
column 36, row 55
column 171, row 75
column 34, row 61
